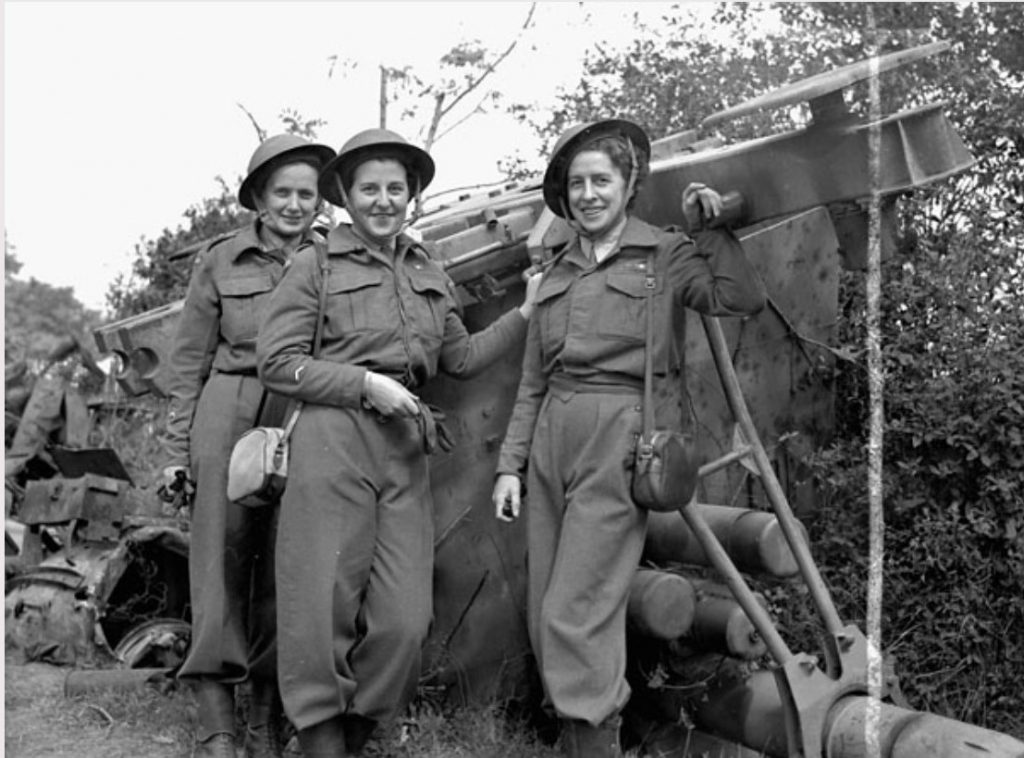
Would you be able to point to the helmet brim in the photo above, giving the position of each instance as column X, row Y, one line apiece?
column 418, row 159
column 323, row 154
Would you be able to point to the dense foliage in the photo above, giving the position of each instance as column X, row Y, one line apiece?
column 953, row 325
column 161, row 267
column 37, row 315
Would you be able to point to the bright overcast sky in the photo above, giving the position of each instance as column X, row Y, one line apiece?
column 118, row 116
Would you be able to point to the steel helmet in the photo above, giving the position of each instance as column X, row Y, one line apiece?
column 273, row 152
column 569, row 143
column 362, row 147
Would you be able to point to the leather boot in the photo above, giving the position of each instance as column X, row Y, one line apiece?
column 581, row 739
column 262, row 731
column 220, row 745
column 324, row 740
column 215, row 732
column 358, row 730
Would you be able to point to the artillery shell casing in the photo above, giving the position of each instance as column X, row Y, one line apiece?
column 753, row 540
column 720, row 624
column 661, row 604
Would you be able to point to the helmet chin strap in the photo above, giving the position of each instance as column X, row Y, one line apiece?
column 634, row 171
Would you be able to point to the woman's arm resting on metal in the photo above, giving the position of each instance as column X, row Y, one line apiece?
column 464, row 355
column 710, row 272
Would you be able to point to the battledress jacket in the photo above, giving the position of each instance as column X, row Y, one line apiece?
column 589, row 326
column 391, row 313
column 231, row 283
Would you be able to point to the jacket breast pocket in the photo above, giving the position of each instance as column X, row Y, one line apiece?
column 551, row 309
column 622, row 311
column 242, row 300
column 430, row 306
column 356, row 301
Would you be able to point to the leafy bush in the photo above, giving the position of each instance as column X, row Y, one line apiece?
column 953, row 605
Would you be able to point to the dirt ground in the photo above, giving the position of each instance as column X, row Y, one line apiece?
column 39, row 722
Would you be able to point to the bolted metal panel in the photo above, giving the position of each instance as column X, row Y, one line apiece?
column 478, row 645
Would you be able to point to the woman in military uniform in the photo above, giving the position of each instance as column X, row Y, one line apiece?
column 356, row 540
column 578, row 412
column 215, row 395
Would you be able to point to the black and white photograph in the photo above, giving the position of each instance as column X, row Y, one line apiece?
column 513, row 379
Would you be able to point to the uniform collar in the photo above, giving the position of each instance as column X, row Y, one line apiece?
column 342, row 240
column 248, row 238
column 636, row 233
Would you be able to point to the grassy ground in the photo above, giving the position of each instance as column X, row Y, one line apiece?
column 41, row 722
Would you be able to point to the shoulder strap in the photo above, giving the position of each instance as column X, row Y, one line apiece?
column 649, row 284
column 321, row 310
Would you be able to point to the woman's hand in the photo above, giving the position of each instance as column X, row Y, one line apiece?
column 389, row 398
column 700, row 199
column 507, row 491
column 532, row 285
column 175, row 482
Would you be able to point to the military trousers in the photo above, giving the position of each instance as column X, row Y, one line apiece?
column 354, row 565
column 585, row 538
column 231, row 553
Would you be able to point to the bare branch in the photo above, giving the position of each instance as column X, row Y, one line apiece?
column 494, row 64
column 435, row 120
column 261, row 133
column 383, row 98
column 478, row 109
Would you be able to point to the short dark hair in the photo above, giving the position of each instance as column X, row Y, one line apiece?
column 616, row 147
column 347, row 171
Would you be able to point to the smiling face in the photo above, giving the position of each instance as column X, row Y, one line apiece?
column 378, row 199
column 597, row 192
column 288, row 203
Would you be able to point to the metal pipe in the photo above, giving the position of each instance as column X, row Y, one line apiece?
column 719, row 463
column 787, row 521
column 910, row 734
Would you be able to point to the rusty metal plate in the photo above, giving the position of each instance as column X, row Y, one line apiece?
column 478, row 648
column 58, row 500
column 142, row 344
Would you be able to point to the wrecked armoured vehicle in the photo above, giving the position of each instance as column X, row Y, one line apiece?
column 693, row 616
